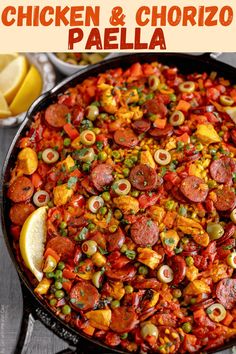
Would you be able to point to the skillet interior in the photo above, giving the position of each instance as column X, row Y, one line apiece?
column 185, row 63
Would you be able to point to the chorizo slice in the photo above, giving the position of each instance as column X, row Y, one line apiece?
column 225, row 199
column 141, row 125
column 101, row 176
column 20, row 212
column 123, row 319
column 178, row 265
column 222, row 170
column 226, row 293
column 115, row 241
column 126, row 138
column 55, row 115
column 123, row 274
column 84, row 296
column 21, row 190
column 144, row 178
column 194, row 188
column 63, row 246
column 144, row 231
column 151, row 283
column 229, row 232
column 162, row 133
column 155, row 106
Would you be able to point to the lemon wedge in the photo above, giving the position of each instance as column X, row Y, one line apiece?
column 12, row 76
column 32, row 239
column 28, row 92
column 6, row 58
column 4, row 109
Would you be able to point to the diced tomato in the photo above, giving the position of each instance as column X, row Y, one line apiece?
column 24, row 142
column 77, row 201
column 51, row 252
column 67, row 285
column 146, row 200
column 136, row 70
column 183, row 106
column 190, row 343
column 71, row 131
column 36, row 180
column 212, row 93
column 103, row 138
column 185, row 138
column 68, row 274
column 15, row 231
column 173, row 178
column 160, row 123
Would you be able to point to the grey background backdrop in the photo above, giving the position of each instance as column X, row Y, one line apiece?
column 43, row 341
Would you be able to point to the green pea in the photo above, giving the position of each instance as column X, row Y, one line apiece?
column 96, row 130
column 187, row 327
column 172, row 97
column 134, row 158
column 213, row 151
column 63, row 225
column 221, row 133
column 50, row 204
column 53, row 302
column 212, row 184
column 193, row 301
column 185, row 240
column 123, row 248
column 67, row 142
column 106, row 196
column 135, row 194
column 58, row 285
column 61, row 265
column 115, row 154
column 50, row 275
column 189, row 261
column 112, row 228
column 170, row 204
column 102, row 156
column 59, row 294
column 182, row 210
column 58, row 274
column 66, row 310
column 193, row 139
column 115, row 304
column 91, row 226
column 129, row 289
column 124, row 335
column 143, row 270
column 40, row 155
column 63, row 232
column 103, row 116
column 118, row 214
column 128, row 163
column 177, row 293
column 103, row 210
column 86, row 167
column 126, row 172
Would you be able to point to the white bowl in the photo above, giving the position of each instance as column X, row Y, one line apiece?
column 67, row 68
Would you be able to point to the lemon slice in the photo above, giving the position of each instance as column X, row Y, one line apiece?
column 28, row 92
column 6, row 58
column 231, row 111
column 12, row 76
column 4, row 109
column 32, row 239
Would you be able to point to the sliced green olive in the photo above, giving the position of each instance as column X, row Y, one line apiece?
column 91, row 112
column 231, row 260
column 97, row 279
column 187, row 87
column 226, row 100
column 87, row 155
column 122, row 186
column 153, row 82
column 177, row 118
column 50, row 156
column 89, row 247
column 95, row 203
column 162, row 157
column 233, row 216
column 50, row 264
column 87, row 137
column 216, row 312
column 215, row 231
column 165, row 274
column 41, row 198
column 149, row 329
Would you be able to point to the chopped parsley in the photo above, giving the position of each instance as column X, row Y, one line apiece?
column 82, row 235
column 68, row 117
column 101, row 250
column 169, row 241
column 130, row 254
column 99, row 145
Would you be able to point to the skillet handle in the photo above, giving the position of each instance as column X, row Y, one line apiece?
column 214, row 55
column 26, row 329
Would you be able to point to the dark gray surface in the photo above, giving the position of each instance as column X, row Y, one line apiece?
column 43, row 341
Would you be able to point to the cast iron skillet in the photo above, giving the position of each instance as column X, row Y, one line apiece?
column 33, row 307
